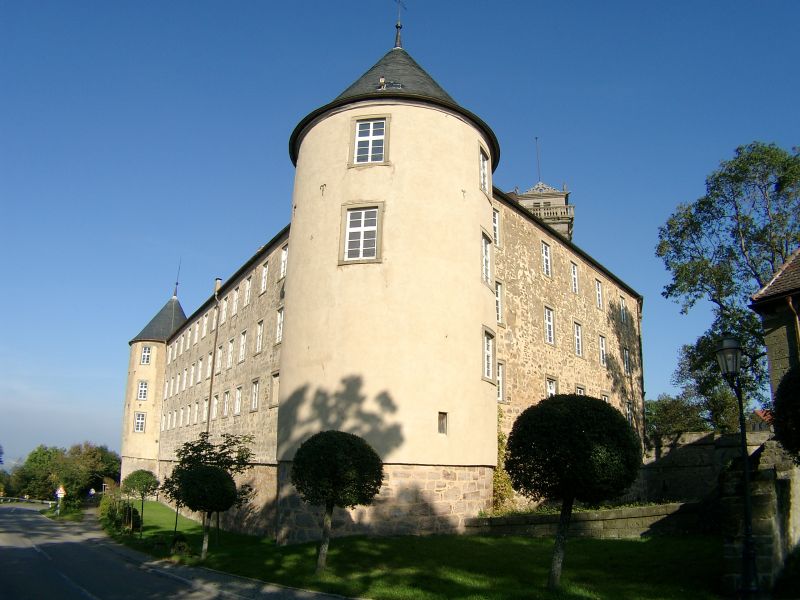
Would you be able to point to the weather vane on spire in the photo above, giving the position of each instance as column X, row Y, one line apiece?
column 398, row 43
column 177, row 278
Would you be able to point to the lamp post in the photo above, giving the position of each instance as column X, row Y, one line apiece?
column 729, row 357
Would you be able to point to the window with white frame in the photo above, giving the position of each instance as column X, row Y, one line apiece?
column 209, row 364
column 275, row 388
column 369, row 142
column 501, row 382
column 191, row 376
column 279, row 326
column 254, row 395
column 229, row 358
column 546, row 267
column 488, row 354
column 498, row 301
column 235, row 306
column 214, row 318
column 626, row 360
column 259, row 336
column 205, row 409
column 486, row 259
column 551, row 387
column 580, row 390
column 196, row 412
column 484, row 171
column 219, row 359
column 196, row 331
column 496, row 226
column 574, row 274
column 146, row 351
column 164, row 397
column 199, row 370
column 264, row 276
column 237, row 401
column 224, row 314
column 180, row 418
column 169, row 354
column 141, row 393
column 602, row 346
column 605, row 398
column 180, row 345
column 361, row 234
column 284, row 260
column 549, row 326
column 578, row 339
column 171, row 385
column 185, row 374
column 598, row 293
column 138, row 422
column 215, row 406
column 623, row 311
column 205, row 325
column 226, row 402
column 242, row 345
column 248, row 286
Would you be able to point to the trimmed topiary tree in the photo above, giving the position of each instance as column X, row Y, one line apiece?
column 334, row 468
column 786, row 412
column 141, row 483
column 206, row 489
column 574, row 448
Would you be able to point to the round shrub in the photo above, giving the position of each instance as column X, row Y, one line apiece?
column 206, row 488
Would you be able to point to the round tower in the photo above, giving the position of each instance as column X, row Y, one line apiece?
column 390, row 305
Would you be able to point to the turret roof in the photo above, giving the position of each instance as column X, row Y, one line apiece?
column 160, row 327
column 396, row 76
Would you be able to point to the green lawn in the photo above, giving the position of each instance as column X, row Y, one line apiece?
column 460, row 566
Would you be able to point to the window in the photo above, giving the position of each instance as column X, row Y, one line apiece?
column 180, row 419
column 580, row 390
column 598, row 292
column 185, row 373
column 623, row 311
column 180, row 345
column 138, row 422
column 199, row 369
column 171, row 385
column 205, row 409
column 546, row 259
column 551, row 387
column 369, row 142
column 602, row 346
column 164, row 397
column 141, row 394
column 361, row 234
column 191, row 376
column 578, row 339
column 254, row 396
column 488, row 355
column 259, row 336
column 629, row 412
column 574, row 273
column 486, row 259
column 626, row 360
column 605, row 399
column 264, row 276
column 275, row 389
column 501, row 382
column 214, row 319
column 442, row 423
column 224, row 314
column 496, row 226
column 498, row 301
column 146, row 350
column 226, row 401
column 484, row 171
column 196, row 412
column 237, row 401
column 242, row 345
column 208, row 364
column 549, row 329
column 214, row 406
column 229, row 358
column 169, row 354
column 205, row 325
column 284, row 260
column 248, row 285
column 196, row 332
column 279, row 326
column 235, row 307
column 219, row 359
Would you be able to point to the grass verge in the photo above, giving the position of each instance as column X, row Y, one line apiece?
column 464, row 567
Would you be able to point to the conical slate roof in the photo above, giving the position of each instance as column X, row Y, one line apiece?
column 160, row 327
column 397, row 76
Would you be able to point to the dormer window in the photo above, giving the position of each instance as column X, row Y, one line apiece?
column 370, row 136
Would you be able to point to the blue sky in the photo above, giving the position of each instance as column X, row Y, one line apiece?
column 135, row 134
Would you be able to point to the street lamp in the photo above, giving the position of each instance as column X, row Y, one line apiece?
column 729, row 357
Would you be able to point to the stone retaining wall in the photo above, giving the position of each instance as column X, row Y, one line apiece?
column 629, row 522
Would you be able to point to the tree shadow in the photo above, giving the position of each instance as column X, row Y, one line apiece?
column 625, row 365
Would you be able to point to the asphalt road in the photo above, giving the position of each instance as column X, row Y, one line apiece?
column 41, row 559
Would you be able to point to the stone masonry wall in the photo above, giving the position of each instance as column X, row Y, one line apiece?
column 414, row 499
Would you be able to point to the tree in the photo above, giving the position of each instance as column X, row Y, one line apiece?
column 37, row 476
column 1, row 455
column 334, row 468
column 574, row 448
column 670, row 415
column 141, row 483
column 207, row 489
column 786, row 412
column 727, row 245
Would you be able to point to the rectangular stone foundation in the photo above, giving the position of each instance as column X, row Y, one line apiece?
column 413, row 500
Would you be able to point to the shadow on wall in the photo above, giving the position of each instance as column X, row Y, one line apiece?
column 344, row 409
column 623, row 379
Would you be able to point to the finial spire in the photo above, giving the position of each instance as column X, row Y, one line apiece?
column 398, row 43
column 177, row 279
column 538, row 164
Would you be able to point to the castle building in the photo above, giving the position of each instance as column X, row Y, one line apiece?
column 407, row 301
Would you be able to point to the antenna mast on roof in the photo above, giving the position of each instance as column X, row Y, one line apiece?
column 538, row 164
column 398, row 43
